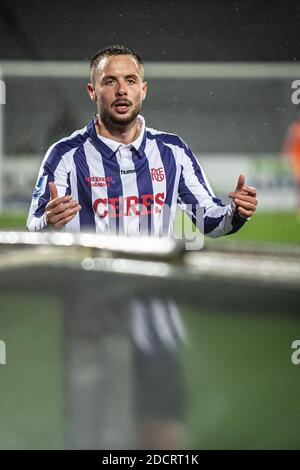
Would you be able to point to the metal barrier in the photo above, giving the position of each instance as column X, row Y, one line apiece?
column 127, row 343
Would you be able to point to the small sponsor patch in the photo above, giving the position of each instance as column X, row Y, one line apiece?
column 40, row 187
column 98, row 181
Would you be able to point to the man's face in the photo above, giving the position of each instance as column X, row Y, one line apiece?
column 118, row 89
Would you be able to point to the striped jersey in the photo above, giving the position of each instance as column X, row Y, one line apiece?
column 130, row 189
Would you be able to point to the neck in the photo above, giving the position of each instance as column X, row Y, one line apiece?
column 124, row 134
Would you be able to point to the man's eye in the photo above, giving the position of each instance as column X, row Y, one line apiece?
column 109, row 82
column 131, row 81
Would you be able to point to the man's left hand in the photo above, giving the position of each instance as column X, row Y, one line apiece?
column 244, row 197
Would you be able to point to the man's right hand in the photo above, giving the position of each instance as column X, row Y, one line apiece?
column 60, row 210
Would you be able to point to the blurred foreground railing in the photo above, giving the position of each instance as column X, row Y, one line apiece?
column 125, row 343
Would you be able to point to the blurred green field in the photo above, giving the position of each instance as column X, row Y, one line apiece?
column 268, row 227
column 242, row 387
column 242, row 390
column 12, row 221
column 273, row 227
column 31, row 404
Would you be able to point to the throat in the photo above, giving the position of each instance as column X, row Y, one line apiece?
column 118, row 132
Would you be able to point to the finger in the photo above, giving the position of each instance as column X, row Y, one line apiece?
column 250, row 190
column 55, row 202
column 240, row 183
column 245, row 212
column 64, row 221
column 238, row 194
column 53, row 219
column 245, row 204
column 53, row 190
column 250, row 199
column 63, row 206
column 247, row 191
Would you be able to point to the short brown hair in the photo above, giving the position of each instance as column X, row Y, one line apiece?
column 113, row 51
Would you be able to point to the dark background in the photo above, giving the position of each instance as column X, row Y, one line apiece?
column 236, row 117
column 172, row 30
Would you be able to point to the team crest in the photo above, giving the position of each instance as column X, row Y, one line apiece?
column 157, row 174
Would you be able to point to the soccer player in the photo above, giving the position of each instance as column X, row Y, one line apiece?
column 118, row 176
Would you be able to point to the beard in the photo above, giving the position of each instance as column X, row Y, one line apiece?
column 114, row 120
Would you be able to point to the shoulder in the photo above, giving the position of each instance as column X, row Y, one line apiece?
column 72, row 141
column 178, row 146
column 60, row 148
column 165, row 137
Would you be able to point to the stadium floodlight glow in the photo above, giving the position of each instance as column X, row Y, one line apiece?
column 137, row 246
column 133, row 245
column 122, row 265
column 129, row 245
column 62, row 239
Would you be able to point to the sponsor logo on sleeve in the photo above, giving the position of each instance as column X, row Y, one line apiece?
column 40, row 187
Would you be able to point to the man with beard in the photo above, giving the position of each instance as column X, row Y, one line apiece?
column 119, row 177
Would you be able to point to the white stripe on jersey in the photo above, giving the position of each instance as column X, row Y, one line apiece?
column 96, row 168
column 129, row 186
column 155, row 162
column 74, row 224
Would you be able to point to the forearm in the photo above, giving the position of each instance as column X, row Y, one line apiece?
column 222, row 221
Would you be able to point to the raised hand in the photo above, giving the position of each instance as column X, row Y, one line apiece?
column 60, row 210
column 244, row 197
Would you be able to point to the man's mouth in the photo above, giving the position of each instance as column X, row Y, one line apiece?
column 122, row 106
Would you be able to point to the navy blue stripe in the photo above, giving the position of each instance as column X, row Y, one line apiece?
column 144, row 185
column 184, row 192
column 98, row 143
column 86, row 214
column 237, row 222
column 210, row 223
column 68, row 190
column 51, row 164
column 191, row 200
column 143, row 144
column 169, row 164
column 114, row 190
column 63, row 147
column 178, row 142
column 45, row 197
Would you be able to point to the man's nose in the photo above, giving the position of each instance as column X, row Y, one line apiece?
column 121, row 89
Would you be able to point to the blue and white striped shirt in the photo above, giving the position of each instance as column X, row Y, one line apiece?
column 130, row 189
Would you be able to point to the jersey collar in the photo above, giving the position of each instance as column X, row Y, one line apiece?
column 109, row 147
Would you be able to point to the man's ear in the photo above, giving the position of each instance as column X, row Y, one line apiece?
column 145, row 86
column 91, row 91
